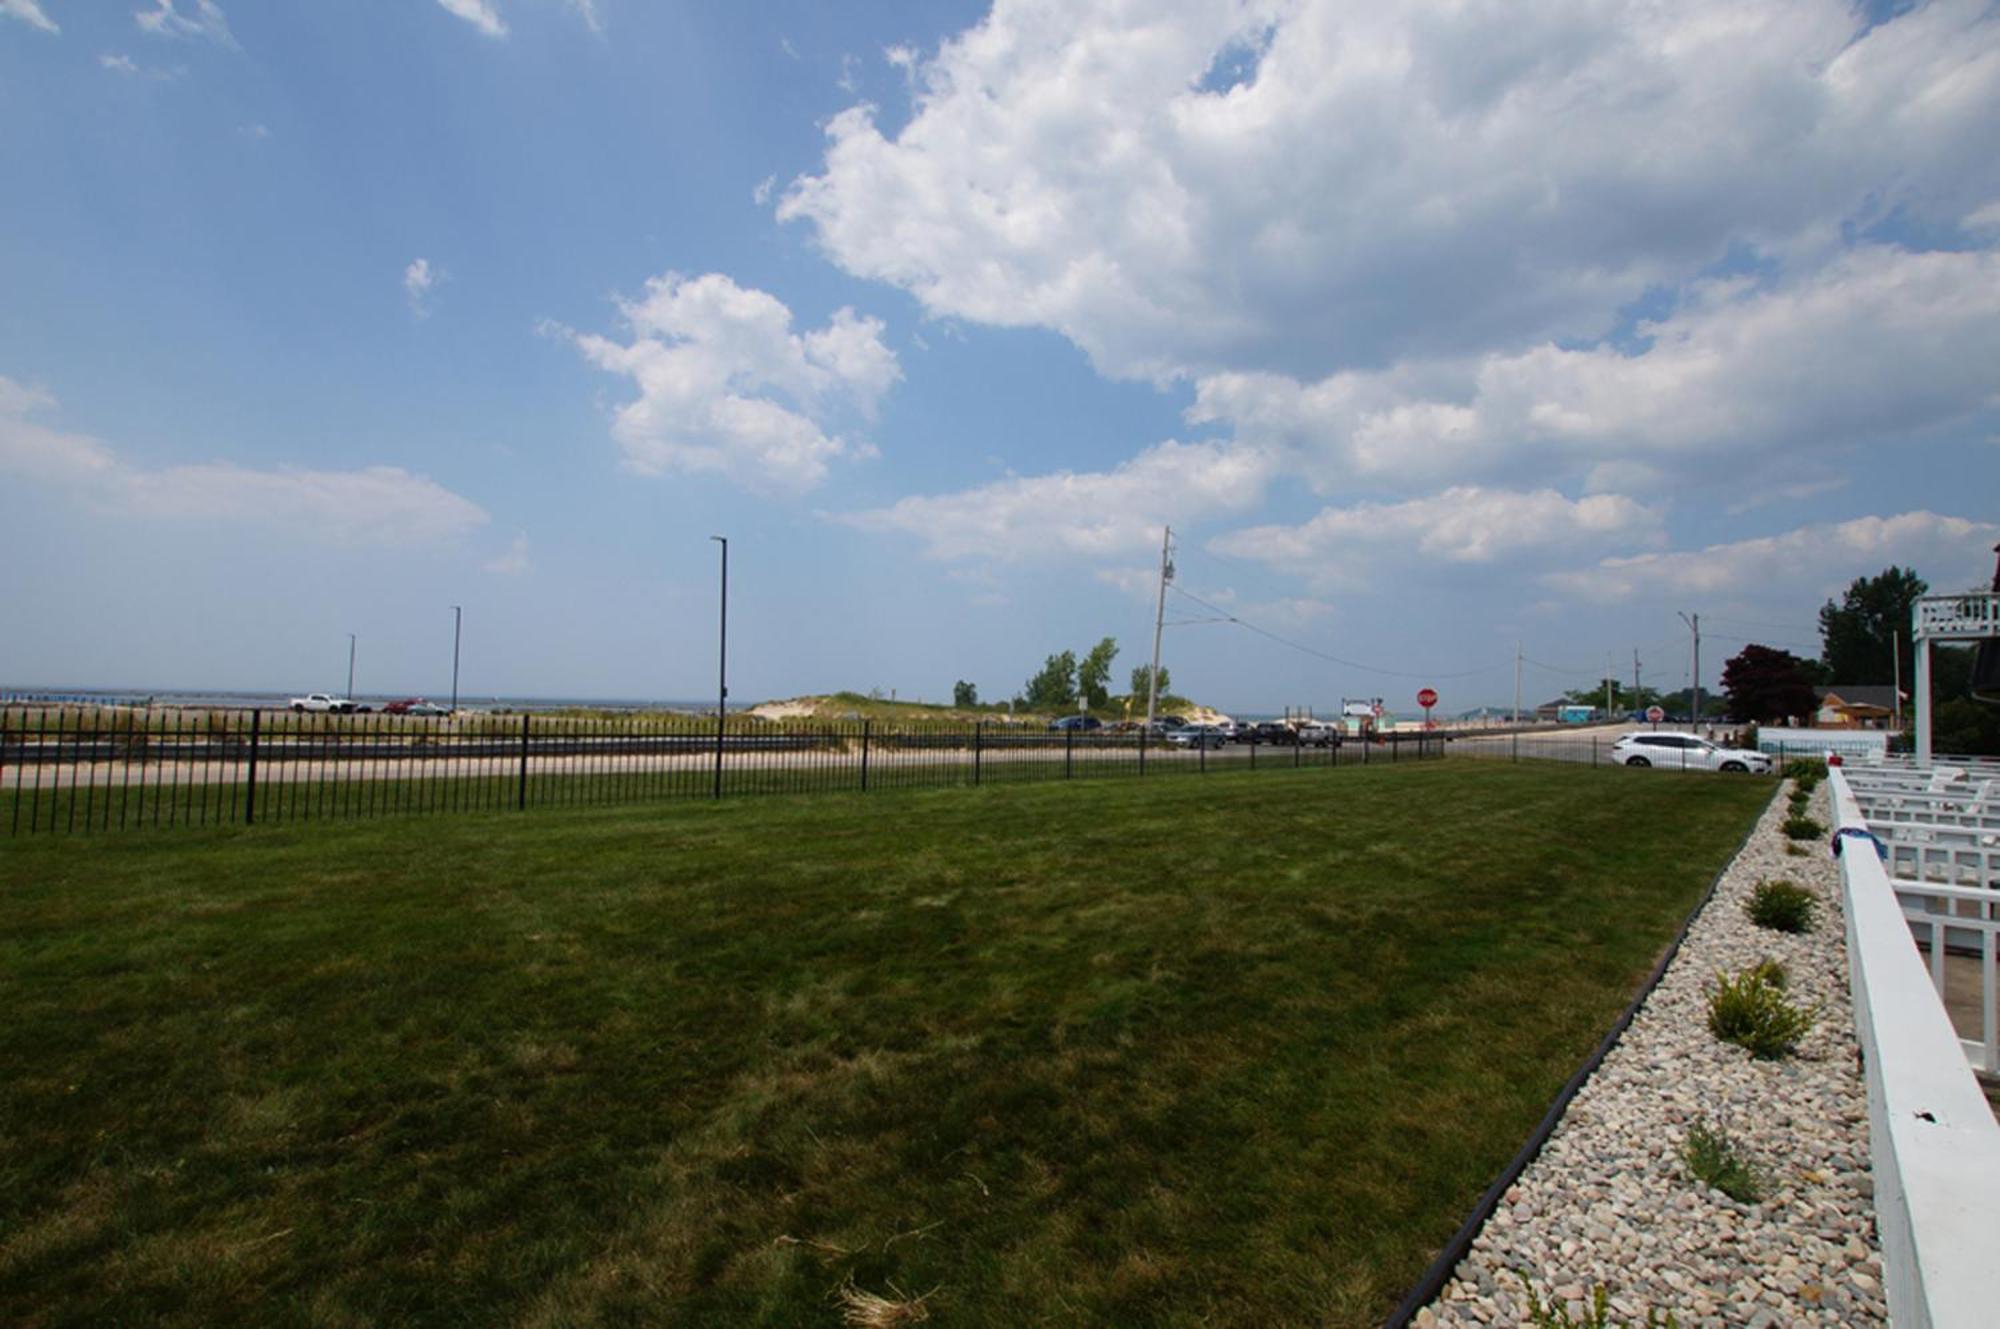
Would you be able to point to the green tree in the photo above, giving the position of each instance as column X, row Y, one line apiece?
column 1960, row 725
column 1054, row 689
column 1142, row 675
column 1093, row 676
column 964, row 695
column 1766, row 684
column 1858, row 636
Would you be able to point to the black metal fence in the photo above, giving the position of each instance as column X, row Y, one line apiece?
column 74, row 770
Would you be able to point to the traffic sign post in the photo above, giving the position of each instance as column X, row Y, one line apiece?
column 1654, row 715
column 1427, row 698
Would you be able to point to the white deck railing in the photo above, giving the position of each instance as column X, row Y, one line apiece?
column 1933, row 1139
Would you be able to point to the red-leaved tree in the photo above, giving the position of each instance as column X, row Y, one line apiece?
column 1765, row 684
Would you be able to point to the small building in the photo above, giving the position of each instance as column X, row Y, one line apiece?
column 1564, row 711
column 1856, row 706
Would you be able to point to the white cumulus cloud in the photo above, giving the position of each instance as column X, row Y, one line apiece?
column 1807, row 564
column 1464, row 525
column 727, row 387
column 420, row 281
column 373, row 505
column 479, row 13
column 202, row 19
column 1304, row 186
column 1096, row 514
column 29, row 12
column 1881, row 342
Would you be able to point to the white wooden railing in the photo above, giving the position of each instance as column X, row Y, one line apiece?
column 1933, row 1140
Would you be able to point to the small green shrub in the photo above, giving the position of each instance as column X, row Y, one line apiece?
column 1805, row 772
column 1803, row 828
column 1780, row 906
column 1752, row 1012
column 1771, row 972
column 1554, row 1315
column 1712, row 1159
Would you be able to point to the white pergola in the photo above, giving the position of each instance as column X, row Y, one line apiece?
column 1971, row 617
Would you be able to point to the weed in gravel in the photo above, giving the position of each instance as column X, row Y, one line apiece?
column 1713, row 1159
column 1781, row 906
column 1753, row 1013
column 1803, row 828
column 1555, row 1315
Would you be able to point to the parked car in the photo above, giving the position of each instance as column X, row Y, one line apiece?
column 325, row 703
column 430, row 708
column 1198, row 736
column 1686, row 751
column 1079, row 722
column 1275, row 732
column 1318, row 734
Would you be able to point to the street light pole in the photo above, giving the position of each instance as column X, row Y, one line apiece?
column 349, row 694
column 457, row 621
column 722, row 665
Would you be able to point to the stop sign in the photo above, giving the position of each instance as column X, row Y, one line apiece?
column 1654, row 715
column 1427, row 698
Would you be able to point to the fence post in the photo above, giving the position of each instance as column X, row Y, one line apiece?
column 1593, row 749
column 864, row 756
column 1514, row 748
column 978, row 735
column 250, row 784
column 1395, row 743
column 721, row 719
column 1069, row 754
column 521, row 798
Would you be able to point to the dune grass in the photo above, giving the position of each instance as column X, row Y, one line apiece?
column 1235, row 1051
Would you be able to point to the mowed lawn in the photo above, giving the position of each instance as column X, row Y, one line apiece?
column 1240, row 1050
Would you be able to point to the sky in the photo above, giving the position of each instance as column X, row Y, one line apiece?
column 1435, row 333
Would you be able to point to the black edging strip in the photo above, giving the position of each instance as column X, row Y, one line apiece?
column 1439, row 1273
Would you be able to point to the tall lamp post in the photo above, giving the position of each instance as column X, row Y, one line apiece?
column 349, row 694
column 722, row 665
column 457, row 621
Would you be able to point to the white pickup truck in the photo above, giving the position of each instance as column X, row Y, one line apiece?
column 322, row 701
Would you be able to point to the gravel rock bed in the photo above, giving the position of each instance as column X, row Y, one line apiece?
column 1608, row 1200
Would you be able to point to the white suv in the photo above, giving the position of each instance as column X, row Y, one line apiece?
column 1685, row 752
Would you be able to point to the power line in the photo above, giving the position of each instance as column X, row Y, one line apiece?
column 1240, row 621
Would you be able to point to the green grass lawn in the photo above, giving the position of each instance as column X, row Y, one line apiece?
column 1234, row 1051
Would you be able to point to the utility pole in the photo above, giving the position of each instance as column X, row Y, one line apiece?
column 1517, row 682
column 1694, row 710
column 349, row 694
column 457, row 620
column 1635, row 676
column 1159, row 622
column 1607, row 685
column 722, row 665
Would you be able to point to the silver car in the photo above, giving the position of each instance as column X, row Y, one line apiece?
column 1198, row 736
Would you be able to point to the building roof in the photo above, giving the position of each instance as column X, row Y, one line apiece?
column 1879, row 695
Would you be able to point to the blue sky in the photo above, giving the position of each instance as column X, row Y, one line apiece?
column 1428, row 333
